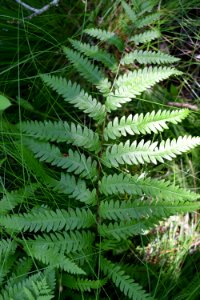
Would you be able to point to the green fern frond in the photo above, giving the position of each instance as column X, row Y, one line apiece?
column 127, row 228
column 17, row 291
column 123, row 281
column 62, row 242
column 147, row 152
column 95, row 53
column 148, row 20
column 54, row 259
column 21, row 269
column 74, row 162
column 148, row 57
column 129, row 12
column 132, row 209
column 88, row 70
column 76, row 189
column 73, row 94
column 40, row 291
column 83, row 285
column 106, row 36
column 11, row 199
column 150, row 122
column 134, row 185
column 134, row 83
column 49, row 220
column 7, row 247
column 76, row 135
column 145, row 37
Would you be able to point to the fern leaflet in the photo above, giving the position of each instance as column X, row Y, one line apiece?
column 74, row 161
column 123, row 281
column 134, row 185
column 127, row 210
column 73, row 94
column 48, row 220
column 90, row 72
column 145, row 37
column 134, row 83
column 146, row 152
column 82, row 284
column 76, row 189
column 151, row 122
column 148, row 57
column 106, row 36
column 95, row 53
column 148, row 20
column 62, row 132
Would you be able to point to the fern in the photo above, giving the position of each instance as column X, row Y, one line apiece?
column 76, row 189
column 65, row 242
column 62, row 132
column 148, row 20
column 132, row 84
column 48, row 220
column 127, row 210
column 106, row 36
column 85, row 206
column 133, row 153
column 151, row 122
column 145, row 37
column 82, row 284
column 73, row 94
column 125, row 283
column 10, row 200
column 148, row 57
column 134, row 185
column 74, row 162
column 95, row 53
column 88, row 70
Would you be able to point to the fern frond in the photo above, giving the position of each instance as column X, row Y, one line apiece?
column 76, row 135
column 75, row 162
column 148, row 20
column 145, row 37
column 148, row 57
column 83, row 285
column 62, row 242
column 106, row 36
column 95, row 53
column 11, row 199
column 127, row 228
column 73, row 94
column 54, row 259
column 147, row 152
column 88, row 70
column 40, row 290
column 21, row 269
column 7, row 247
column 129, row 12
column 134, row 185
column 131, row 209
column 150, row 122
column 76, row 189
column 134, row 83
column 123, row 281
column 49, row 220
column 17, row 292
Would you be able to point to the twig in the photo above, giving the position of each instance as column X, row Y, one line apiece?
column 184, row 105
column 35, row 10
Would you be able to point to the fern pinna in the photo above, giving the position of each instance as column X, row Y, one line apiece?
column 104, row 199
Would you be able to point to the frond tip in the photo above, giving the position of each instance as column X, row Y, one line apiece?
column 147, row 152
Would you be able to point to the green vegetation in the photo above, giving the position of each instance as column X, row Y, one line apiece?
column 99, row 151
